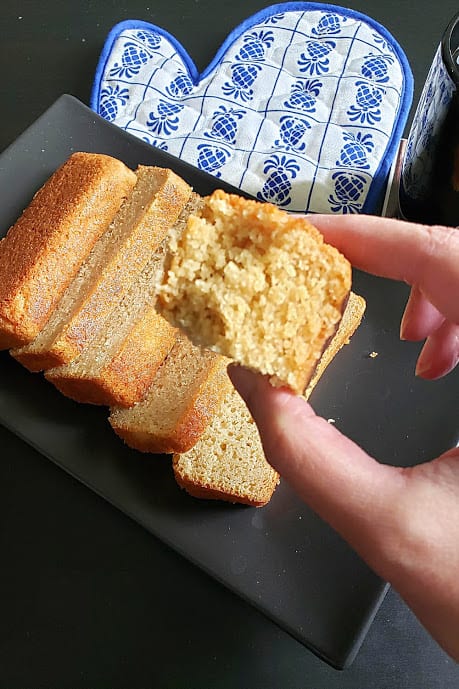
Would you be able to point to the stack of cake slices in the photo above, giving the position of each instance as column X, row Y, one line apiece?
column 129, row 290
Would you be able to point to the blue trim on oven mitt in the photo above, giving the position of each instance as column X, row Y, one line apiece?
column 303, row 105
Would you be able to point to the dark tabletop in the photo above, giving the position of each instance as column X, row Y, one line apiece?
column 87, row 597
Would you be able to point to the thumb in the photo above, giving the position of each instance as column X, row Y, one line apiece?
column 335, row 477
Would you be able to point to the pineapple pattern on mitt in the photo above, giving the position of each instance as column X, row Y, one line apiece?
column 303, row 105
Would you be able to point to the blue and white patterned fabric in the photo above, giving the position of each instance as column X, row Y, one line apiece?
column 303, row 105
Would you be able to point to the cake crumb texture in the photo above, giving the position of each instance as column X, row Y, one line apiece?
column 228, row 462
column 258, row 286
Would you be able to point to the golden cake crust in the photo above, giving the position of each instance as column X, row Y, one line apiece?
column 45, row 247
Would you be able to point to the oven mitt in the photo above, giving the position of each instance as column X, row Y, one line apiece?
column 303, row 105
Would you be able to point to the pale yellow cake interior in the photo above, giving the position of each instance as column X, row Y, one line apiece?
column 257, row 285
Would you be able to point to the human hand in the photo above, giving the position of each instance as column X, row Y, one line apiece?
column 427, row 258
column 381, row 510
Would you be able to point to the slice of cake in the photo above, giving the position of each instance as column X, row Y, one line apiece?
column 118, row 365
column 227, row 463
column 182, row 400
column 45, row 248
column 349, row 323
column 256, row 285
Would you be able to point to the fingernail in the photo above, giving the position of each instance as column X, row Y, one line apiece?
column 403, row 326
column 422, row 369
column 419, row 371
column 402, row 332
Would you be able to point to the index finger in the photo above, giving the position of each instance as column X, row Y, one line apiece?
column 423, row 256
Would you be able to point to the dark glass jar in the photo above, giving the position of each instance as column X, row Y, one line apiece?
column 429, row 184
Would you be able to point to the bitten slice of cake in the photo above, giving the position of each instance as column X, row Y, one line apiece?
column 256, row 285
column 45, row 248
